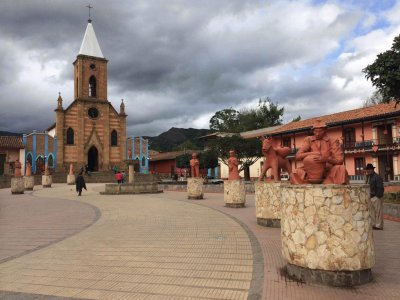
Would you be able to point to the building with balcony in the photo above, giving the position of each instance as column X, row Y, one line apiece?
column 367, row 135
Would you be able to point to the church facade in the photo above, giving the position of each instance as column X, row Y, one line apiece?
column 90, row 131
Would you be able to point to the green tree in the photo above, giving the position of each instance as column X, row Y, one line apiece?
column 247, row 151
column 384, row 73
column 208, row 160
column 183, row 161
column 226, row 120
column 298, row 118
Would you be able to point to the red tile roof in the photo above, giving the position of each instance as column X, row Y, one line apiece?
column 14, row 142
column 166, row 155
column 350, row 116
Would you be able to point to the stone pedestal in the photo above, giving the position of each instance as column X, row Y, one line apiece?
column 268, row 203
column 326, row 233
column 17, row 185
column 131, row 174
column 195, row 188
column 234, row 193
column 46, row 181
column 29, row 182
column 70, row 179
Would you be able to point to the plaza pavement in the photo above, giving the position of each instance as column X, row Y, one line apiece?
column 54, row 244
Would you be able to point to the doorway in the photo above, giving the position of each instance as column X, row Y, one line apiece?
column 385, row 165
column 93, row 159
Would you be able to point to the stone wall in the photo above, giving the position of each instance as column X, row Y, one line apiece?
column 327, row 227
column 234, row 193
column 268, row 202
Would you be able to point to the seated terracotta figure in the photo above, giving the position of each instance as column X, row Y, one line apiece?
column 233, row 166
column 322, row 159
column 194, row 165
column 274, row 160
column 17, row 168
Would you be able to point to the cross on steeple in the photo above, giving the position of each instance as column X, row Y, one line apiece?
column 90, row 7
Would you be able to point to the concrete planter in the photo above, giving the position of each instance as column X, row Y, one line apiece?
column 17, row 185
column 29, row 182
column 47, row 181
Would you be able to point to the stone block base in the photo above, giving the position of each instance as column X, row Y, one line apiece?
column 29, row 182
column 196, row 197
column 268, row 200
column 332, row 278
column 195, row 188
column 131, row 188
column 234, row 193
column 17, row 185
column 70, row 179
column 276, row 223
column 47, row 181
column 235, row 205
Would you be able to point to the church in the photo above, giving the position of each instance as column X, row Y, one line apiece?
column 89, row 131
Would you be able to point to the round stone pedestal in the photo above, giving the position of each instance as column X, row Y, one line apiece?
column 29, row 182
column 268, row 203
column 17, row 185
column 326, row 233
column 195, row 188
column 70, row 179
column 234, row 193
column 46, row 181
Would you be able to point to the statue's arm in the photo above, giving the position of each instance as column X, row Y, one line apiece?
column 336, row 157
column 304, row 150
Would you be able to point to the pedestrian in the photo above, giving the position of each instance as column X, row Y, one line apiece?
column 115, row 169
column 123, row 176
column 118, row 177
column 80, row 183
column 376, row 191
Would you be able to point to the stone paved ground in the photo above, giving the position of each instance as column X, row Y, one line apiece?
column 156, row 247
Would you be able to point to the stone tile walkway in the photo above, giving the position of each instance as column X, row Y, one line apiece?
column 156, row 247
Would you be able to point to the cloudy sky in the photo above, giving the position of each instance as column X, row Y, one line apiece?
column 177, row 62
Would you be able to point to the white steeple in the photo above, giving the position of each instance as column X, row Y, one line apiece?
column 89, row 45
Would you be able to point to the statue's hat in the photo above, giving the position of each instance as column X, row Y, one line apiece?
column 319, row 124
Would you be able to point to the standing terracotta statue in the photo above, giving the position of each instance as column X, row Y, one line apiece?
column 17, row 168
column 274, row 159
column 233, row 166
column 129, row 153
column 322, row 159
column 194, row 165
column 28, row 171
column 71, row 169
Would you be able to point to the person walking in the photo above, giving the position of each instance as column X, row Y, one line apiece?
column 119, row 177
column 376, row 189
column 80, row 183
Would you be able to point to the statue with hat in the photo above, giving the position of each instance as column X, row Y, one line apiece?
column 322, row 159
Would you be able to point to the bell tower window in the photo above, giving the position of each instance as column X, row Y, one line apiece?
column 114, row 138
column 92, row 86
column 70, row 136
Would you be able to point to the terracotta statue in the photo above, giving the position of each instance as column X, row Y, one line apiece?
column 28, row 171
column 322, row 159
column 17, row 168
column 129, row 153
column 71, row 169
column 233, row 166
column 194, row 165
column 46, row 170
column 274, row 159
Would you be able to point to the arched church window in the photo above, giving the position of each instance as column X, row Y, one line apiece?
column 29, row 158
column 114, row 138
column 50, row 161
column 92, row 86
column 70, row 136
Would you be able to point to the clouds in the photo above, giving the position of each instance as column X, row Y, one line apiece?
column 177, row 62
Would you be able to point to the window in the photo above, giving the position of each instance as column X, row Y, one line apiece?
column 114, row 138
column 286, row 142
column 92, row 86
column 359, row 165
column 70, row 136
column 143, row 161
column 50, row 161
column 349, row 137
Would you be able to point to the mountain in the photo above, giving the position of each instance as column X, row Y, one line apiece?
column 7, row 133
column 177, row 139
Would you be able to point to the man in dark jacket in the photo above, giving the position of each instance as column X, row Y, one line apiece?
column 80, row 183
column 376, row 186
